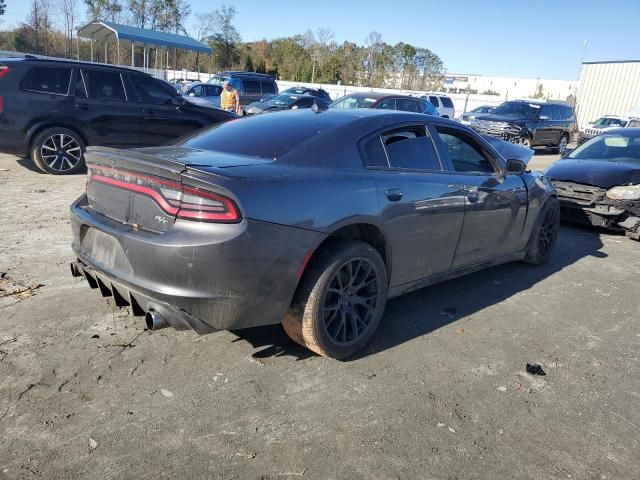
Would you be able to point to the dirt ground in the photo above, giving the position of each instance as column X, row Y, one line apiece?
column 442, row 392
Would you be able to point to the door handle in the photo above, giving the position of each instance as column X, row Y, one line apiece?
column 393, row 194
column 83, row 106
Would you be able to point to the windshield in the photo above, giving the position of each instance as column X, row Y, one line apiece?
column 521, row 109
column 609, row 122
column 612, row 147
column 353, row 102
column 281, row 101
column 218, row 80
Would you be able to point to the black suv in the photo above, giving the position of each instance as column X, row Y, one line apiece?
column 250, row 86
column 532, row 123
column 53, row 109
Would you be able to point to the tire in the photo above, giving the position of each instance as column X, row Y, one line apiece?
column 526, row 142
column 323, row 316
column 58, row 151
column 545, row 233
column 562, row 143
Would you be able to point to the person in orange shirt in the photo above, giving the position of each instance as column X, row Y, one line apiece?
column 229, row 99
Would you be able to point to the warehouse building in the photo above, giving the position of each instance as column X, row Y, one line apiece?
column 608, row 88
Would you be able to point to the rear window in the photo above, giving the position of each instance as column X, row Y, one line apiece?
column 434, row 101
column 263, row 136
column 446, row 101
column 268, row 87
column 48, row 80
column 251, row 86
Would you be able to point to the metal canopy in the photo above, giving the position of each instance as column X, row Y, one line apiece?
column 105, row 31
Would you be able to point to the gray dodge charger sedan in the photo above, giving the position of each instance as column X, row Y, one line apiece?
column 311, row 219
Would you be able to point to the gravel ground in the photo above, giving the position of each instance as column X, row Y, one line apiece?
column 441, row 393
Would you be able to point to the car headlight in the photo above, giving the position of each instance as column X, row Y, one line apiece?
column 628, row 192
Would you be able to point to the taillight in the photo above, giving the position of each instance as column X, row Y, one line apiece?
column 172, row 197
column 3, row 71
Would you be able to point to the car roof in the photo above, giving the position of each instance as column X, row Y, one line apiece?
column 68, row 61
column 538, row 101
column 379, row 95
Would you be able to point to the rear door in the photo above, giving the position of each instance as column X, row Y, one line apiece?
column 101, row 101
column 251, row 92
column 422, row 207
column 160, row 119
column 495, row 204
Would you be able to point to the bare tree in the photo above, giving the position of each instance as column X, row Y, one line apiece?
column 2, row 7
column 139, row 12
column 374, row 45
column 321, row 49
column 204, row 27
column 226, row 37
column 69, row 14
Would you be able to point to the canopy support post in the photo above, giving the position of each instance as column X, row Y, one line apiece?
column 91, row 42
column 106, row 52
column 133, row 55
column 77, row 46
column 118, row 41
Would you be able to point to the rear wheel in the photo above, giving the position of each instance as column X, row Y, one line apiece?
column 58, row 151
column 545, row 233
column 526, row 142
column 562, row 144
column 340, row 300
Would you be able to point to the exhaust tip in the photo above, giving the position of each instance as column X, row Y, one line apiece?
column 75, row 271
column 155, row 321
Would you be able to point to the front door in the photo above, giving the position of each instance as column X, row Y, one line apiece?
column 422, row 209
column 495, row 203
column 160, row 120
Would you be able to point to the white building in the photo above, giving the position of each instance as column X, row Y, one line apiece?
column 509, row 87
column 608, row 88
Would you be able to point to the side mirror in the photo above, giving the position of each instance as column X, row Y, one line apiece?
column 543, row 117
column 192, row 94
column 515, row 167
column 295, row 107
column 178, row 101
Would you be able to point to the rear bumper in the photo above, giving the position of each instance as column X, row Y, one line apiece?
column 201, row 276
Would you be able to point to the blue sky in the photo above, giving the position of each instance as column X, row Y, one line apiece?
column 542, row 38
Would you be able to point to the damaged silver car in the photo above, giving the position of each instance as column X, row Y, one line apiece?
column 598, row 183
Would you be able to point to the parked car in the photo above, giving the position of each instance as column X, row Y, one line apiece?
column 205, row 91
column 314, row 92
column 443, row 104
column 532, row 123
column 52, row 109
column 598, row 183
column 310, row 219
column 250, row 86
column 466, row 117
column 602, row 124
column 286, row 102
column 385, row 101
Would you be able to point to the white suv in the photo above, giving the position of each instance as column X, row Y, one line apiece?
column 443, row 104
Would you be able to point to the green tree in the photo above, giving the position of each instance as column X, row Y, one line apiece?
column 248, row 64
column 225, row 38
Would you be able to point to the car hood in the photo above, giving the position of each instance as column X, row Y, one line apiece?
column 508, row 150
column 600, row 173
column 501, row 118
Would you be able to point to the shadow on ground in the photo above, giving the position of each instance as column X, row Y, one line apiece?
column 423, row 311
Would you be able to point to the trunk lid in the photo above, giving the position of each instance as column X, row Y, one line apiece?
column 144, row 188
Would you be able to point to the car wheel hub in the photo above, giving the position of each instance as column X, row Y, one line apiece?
column 351, row 301
column 61, row 152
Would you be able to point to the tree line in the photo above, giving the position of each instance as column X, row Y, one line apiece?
column 312, row 56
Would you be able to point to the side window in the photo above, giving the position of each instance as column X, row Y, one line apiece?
column 80, row 90
column 568, row 113
column 556, row 112
column 545, row 111
column 213, row 90
column 48, row 80
column 251, row 87
column 197, row 91
column 463, row 152
column 388, row 104
column 434, row 101
column 410, row 148
column 150, row 90
column 268, row 87
column 406, row 105
column 103, row 85
column 634, row 124
column 446, row 102
column 306, row 102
